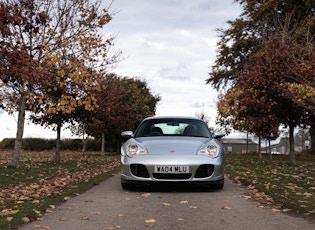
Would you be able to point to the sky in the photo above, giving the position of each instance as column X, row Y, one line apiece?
column 170, row 44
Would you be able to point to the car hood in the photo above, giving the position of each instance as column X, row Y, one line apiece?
column 172, row 145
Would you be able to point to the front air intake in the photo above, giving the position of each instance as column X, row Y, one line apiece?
column 204, row 171
column 139, row 170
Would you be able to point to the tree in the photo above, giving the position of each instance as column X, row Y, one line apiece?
column 141, row 97
column 55, row 37
column 262, row 42
column 258, row 21
column 114, row 113
column 20, row 68
column 123, row 103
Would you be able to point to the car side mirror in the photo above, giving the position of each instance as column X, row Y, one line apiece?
column 218, row 135
column 126, row 135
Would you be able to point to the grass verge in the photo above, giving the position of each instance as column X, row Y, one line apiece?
column 37, row 185
column 276, row 182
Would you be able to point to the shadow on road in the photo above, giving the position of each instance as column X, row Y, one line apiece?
column 174, row 188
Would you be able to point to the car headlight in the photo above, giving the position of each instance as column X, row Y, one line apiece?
column 133, row 149
column 211, row 150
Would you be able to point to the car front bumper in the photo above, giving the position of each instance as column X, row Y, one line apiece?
column 202, row 169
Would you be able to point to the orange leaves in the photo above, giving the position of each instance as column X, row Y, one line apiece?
column 44, row 186
column 225, row 207
column 275, row 181
column 150, row 222
column 166, row 204
column 184, row 202
column 146, row 194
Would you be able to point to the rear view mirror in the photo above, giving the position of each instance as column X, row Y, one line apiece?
column 218, row 135
column 126, row 135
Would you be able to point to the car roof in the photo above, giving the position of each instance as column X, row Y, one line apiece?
column 172, row 117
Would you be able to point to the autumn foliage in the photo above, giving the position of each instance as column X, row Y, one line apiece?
column 54, row 58
column 266, row 62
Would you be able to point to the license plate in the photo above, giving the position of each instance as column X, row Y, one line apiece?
column 171, row 169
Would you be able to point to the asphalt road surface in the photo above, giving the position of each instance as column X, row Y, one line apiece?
column 108, row 207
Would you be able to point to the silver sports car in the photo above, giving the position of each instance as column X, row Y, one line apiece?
column 172, row 149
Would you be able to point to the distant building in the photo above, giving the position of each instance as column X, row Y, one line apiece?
column 282, row 146
column 238, row 145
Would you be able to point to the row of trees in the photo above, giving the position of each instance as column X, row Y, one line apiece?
column 266, row 64
column 54, row 63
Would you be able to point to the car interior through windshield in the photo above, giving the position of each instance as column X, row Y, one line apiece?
column 161, row 127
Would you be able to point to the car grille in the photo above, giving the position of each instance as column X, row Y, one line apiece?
column 139, row 170
column 204, row 171
column 177, row 176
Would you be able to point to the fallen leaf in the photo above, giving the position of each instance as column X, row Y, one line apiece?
column 150, row 221
column 184, row 202
column 180, row 219
column 25, row 219
column 63, row 219
column 275, row 210
column 312, row 212
column 166, row 204
column 193, row 207
column 14, row 211
column 307, row 194
column 146, row 194
column 9, row 218
column 225, row 207
column 84, row 218
column 286, row 210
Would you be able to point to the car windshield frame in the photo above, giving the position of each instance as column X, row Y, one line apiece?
column 173, row 127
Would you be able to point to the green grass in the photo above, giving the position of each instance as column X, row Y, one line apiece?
column 35, row 186
column 292, row 187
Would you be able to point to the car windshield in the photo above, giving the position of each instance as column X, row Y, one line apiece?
column 173, row 127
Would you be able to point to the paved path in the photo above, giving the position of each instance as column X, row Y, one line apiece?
column 108, row 207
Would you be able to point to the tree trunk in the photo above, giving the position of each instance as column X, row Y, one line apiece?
column 19, row 133
column 291, row 141
column 312, row 133
column 103, row 143
column 270, row 155
column 83, row 142
column 247, row 142
column 110, row 137
column 58, row 144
